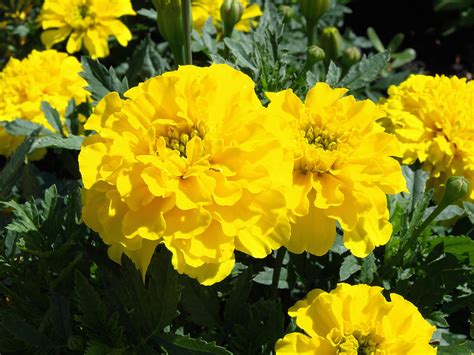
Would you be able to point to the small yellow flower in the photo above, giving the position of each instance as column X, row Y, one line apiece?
column 433, row 117
column 343, row 167
column 356, row 320
column 85, row 22
column 203, row 9
column 192, row 160
column 43, row 76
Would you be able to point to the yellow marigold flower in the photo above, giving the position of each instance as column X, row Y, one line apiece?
column 85, row 22
column 203, row 9
column 43, row 76
column 192, row 160
column 342, row 170
column 433, row 117
column 357, row 320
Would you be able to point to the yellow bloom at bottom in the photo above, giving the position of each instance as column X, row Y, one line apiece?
column 357, row 320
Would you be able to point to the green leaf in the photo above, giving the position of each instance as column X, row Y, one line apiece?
column 265, row 277
column 22, row 330
column 94, row 316
column 395, row 42
column 72, row 117
column 239, row 295
column 241, row 55
column 365, row 71
column 448, row 213
column 12, row 169
column 185, row 345
column 201, row 303
column 374, row 38
column 469, row 208
column 460, row 246
column 402, row 58
column 438, row 319
column 349, row 266
column 71, row 142
column 52, row 116
column 416, row 182
column 148, row 13
column 333, row 75
column 368, row 269
column 20, row 127
column 100, row 80
column 146, row 62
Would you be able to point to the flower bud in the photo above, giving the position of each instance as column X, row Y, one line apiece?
column 170, row 21
column 314, row 9
column 287, row 11
column 331, row 42
column 231, row 13
column 351, row 56
column 457, row 188
column 314, row 54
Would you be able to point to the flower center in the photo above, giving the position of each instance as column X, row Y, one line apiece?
column 81, row 17
column 357, row 344
column 321, row 138
column 177, row 139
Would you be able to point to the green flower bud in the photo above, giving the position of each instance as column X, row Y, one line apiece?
column 287, row 11
column 231, row 13
column 314, row 9
column 351, row 56
column 331, row 42
column 457, row 188
column 314, row 54
column 170, row 21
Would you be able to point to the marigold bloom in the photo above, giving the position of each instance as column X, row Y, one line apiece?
column 433, row 117
column 342, row 170
column 357, row 320
column 190, row 160
column 43, row 76
column 85, row 22
column 203, row 9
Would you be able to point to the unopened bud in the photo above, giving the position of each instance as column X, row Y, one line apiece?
column 351, row 56
column 457, row 188
column 314, row 9
column 231, row 13
column 314, row 54
column 287, row 11
column 170, row 21
column 331, row 42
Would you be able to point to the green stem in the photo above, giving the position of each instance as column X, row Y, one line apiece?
column 277, row 270
column 428, row 220
column 186, row 12
column 312, row 33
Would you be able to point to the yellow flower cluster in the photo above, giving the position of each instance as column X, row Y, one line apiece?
column 433, row 117
column 343, row 167
column 357, row 320
column 203, row 9
column 42, row 76
column 85, row 22
column 191, row 160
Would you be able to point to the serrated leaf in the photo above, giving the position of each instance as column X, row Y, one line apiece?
column 469, row 208
column 70, row 143
column 52, row 116
column 237, row 50
column 22, row 330
column 265, row 277
column 333, row 75
column 365, row 71
column 461, row 247
column 201, row 303
column 438, row 319
column 11, row 170
column 72, row 117
column 185, row 345
column 349, row 266
column 100, row 80
column 416, row 182
column 368, row 269
column 239, row 295
column 20, row 127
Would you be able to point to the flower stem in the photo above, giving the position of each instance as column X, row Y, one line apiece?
column 186, row 13
column 277, row 270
